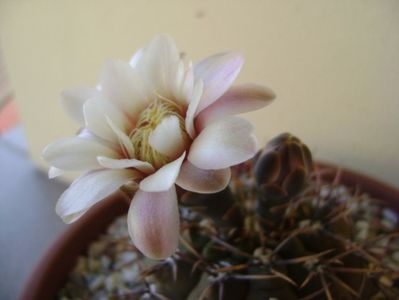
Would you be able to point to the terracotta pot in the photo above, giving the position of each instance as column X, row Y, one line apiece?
column 52, row 271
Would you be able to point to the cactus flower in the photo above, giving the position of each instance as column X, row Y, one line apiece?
column 149, row 124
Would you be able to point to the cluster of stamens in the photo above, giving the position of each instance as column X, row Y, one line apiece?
column 148, row 120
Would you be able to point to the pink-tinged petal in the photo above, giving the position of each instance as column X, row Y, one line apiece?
column 111, row 163
column 192, row 107
column 223, row 144
column 136, row 58
column 72, row 101
column 202, row 181
column 89, row 189
column 122, row 85
column 96, row 111
column 164, row 178
column 218, row 73
column 75, row 153
column 167, row 137
column 238, row 99
column 158, row 64
column 55, row 172
column 153, row 223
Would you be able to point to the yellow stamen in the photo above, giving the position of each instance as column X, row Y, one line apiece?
column 148, row 120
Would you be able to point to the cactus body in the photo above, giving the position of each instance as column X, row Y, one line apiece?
column 278, row 232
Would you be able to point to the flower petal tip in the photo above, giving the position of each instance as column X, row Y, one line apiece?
column 55, row 172
column 202, row 181
column 153, row 223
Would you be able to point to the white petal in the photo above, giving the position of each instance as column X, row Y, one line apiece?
column 238, row 99
column 177, row 82
column 202, row 181
column 180, row 83
column 153, row 223
column 125, row 164
column 136, row 57
column 73, row 217
column 192, row 108
column 55, row 172
column 75, row 153
column 96, row 112
column 122, row 85
column 158, row 64
column 124, row 141
column 188, row 82
column 223, row 144
column 88, row 135
column 167, row 137
column 88, row 189
column 72, row 101
column 164, row 178
column 218, row 73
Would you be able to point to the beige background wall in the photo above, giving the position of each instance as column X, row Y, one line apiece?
column 333, row 64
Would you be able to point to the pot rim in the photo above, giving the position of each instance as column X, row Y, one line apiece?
column 63, row 252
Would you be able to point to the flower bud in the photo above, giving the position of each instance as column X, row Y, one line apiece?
column 283, row 167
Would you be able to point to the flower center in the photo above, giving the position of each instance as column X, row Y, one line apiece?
column 148, row 120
